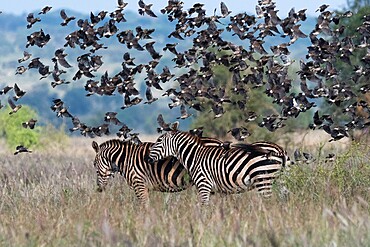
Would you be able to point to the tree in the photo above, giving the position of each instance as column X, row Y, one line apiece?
column 357, row 5
column 12, row 130
column 42, row 136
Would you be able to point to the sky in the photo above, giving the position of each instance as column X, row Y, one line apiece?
column 85, row 6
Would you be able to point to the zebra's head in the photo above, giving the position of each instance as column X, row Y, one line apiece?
column 163, row 147
column 105, row 168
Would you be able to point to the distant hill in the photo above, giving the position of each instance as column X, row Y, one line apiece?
column 91, row 109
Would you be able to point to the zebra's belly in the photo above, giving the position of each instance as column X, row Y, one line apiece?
column 230, row 185
column 167, row 187
column 233, row 187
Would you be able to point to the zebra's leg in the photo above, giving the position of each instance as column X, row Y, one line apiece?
column 141, row 192
column 204, row 191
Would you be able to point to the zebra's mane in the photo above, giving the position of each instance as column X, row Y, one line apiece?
column 118, row 141
column 111, row 142
column 196, row 139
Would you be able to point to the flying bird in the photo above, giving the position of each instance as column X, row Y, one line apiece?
column 31, row 20
column 59, row 56
column 149, row 96
column 184, row 113
column 239, row 133
column 145, row 8
column 121, row 5
column 18, row 92
column 21, row 149
column 29, row 124
column 25, row 57
column 66, row 19
column 163, row 126
column 5, row 90
column 111, row 118
column 44, row 10
column 20, row 70
column 13, row 106
column 224, row 10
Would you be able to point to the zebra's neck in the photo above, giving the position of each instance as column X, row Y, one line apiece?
column 187, row 150
column 129, row 156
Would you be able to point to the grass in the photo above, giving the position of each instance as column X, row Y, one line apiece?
column 49, row 199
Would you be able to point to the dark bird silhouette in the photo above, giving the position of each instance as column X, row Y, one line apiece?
column 20, row 70
column 63, row 112
column 25, row 57
column 44, row 72
column 171, row 48
column 224, row 10
column 57, row 105
column 123, row 131
column 134, row 138
column 239, row 133
column 336, row 133
column 184, row 113
column 13, row 106
column 59, row 56
column 5, row 90
column 18, row 92
column 45, row 9
column 102, row 129
column 32, row 20
column 149, row 47
column 128, row 59
column 77, row 125
column 149, row 96
column 66, row 19
column 322, row 8
column 60, row 109
column 330, row 157
column 218, row 110
column 143, row 33
column 121, row 4
column 145, row 9
column 38, row 38
column 130, row 102
column 110, row 117
column 29, row 124
column 35, row 63
column 21, row 149
column 57, row 80
column 163, row 126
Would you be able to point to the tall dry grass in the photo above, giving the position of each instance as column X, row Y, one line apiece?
column 49, row 199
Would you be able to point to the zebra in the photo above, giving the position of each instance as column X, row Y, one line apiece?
column 131, row 161
column 215, row 169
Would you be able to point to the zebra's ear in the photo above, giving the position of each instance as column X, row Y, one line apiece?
column 175, row 126
column 95, row 146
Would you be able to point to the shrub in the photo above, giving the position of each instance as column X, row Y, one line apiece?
column 12, row 130
column 40, row 137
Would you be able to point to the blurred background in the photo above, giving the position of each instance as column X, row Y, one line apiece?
column 142, row 117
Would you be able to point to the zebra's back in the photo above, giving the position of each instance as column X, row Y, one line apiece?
column 212, row 168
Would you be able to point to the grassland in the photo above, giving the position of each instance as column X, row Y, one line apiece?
column 48, row 198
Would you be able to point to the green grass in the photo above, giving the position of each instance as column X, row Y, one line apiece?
column 49, row 199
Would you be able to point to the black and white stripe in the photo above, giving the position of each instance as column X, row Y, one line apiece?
column 240, row 168
column 131, row 160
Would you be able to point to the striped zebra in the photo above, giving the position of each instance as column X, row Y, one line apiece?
column 131, row 161
column 214, row 169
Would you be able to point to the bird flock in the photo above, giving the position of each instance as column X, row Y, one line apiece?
column 253, row 65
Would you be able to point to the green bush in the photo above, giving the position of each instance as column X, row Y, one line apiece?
column 12, row 130
column 346, row 177
column 15, row 134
